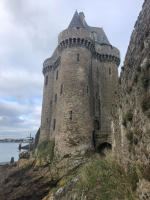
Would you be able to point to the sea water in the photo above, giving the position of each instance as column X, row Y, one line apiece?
column 8, row 150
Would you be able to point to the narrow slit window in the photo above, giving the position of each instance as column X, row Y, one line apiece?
column 96, row 95
column 109, row 71
column 57, row 75
column 87, row 89
column 47, row 120
column 55, row 98
column 46, row 80
column 54, row 125
column 77, row 57
column 61, row 89
column 71, row 114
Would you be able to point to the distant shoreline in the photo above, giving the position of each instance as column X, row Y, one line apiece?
column 14, row 142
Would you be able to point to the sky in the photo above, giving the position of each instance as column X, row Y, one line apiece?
column 29, row 34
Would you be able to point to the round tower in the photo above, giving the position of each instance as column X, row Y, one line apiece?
column 80, row 79
column 74, row 123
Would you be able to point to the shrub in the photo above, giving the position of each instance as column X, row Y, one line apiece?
column 129, row 115
column 138, row 69
column 119, row 81
column 144, row 80
column 145, row 171
column 145, row 103
column 135, row 79
column 148, row 65
column 124, row 123
column 129, row 136
column 122, row 68
column 128, row 89
column 135, row 141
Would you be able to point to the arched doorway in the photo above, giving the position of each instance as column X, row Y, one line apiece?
column 102, row 147
column 96, row 125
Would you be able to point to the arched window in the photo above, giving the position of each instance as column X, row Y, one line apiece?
column 96, row 125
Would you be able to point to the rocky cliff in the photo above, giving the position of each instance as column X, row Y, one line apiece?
column 131, row 106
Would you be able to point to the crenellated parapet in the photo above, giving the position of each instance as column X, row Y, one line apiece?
column 51, row 67
column 89, row 44
column 79, row 42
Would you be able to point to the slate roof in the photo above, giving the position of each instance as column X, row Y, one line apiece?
column 76, row 21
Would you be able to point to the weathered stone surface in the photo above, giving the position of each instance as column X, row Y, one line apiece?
column 22, row 180
column 131, row 109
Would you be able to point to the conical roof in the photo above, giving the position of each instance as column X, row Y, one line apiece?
column 76, row 21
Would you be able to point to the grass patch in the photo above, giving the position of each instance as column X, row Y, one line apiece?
column 46, row 150
column 105, row 179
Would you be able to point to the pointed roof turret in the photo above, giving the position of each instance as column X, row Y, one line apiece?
column 76, row 21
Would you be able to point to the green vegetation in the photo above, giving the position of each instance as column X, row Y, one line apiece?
column 129, row 136
column 135, row 141
column 105, row 179
column 46, row 149
column 144, row 80
column 119, row 81
column 127, row 118
column 124, row 123
column 122, row 68
column 144, row 171
column 129, row 115
column 138, row 69
column 145, row 103
column 128, row 89
column 135, row 79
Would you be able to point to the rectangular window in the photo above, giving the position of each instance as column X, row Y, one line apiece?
column 77, row 57
column 46, row 80
column 54, row 125
column 57, row 75
column 55, row 98
column 61, row 89
column 87, row 89
column 47, row 120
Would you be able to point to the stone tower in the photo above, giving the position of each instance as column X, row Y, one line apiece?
column 79, row 81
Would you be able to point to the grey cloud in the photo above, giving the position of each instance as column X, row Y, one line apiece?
column 29, row 34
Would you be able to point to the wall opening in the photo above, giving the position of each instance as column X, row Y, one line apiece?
column 55, row 98
column 46, row 80
column 109, row 71
column 77, row 57
column 57, row 75
column 96, row 125
column 61, row 89
column 54, row 124
column 102, row 148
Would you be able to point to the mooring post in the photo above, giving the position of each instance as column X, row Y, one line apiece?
column 12, row 160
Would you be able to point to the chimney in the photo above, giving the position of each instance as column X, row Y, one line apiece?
column 81, row 14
